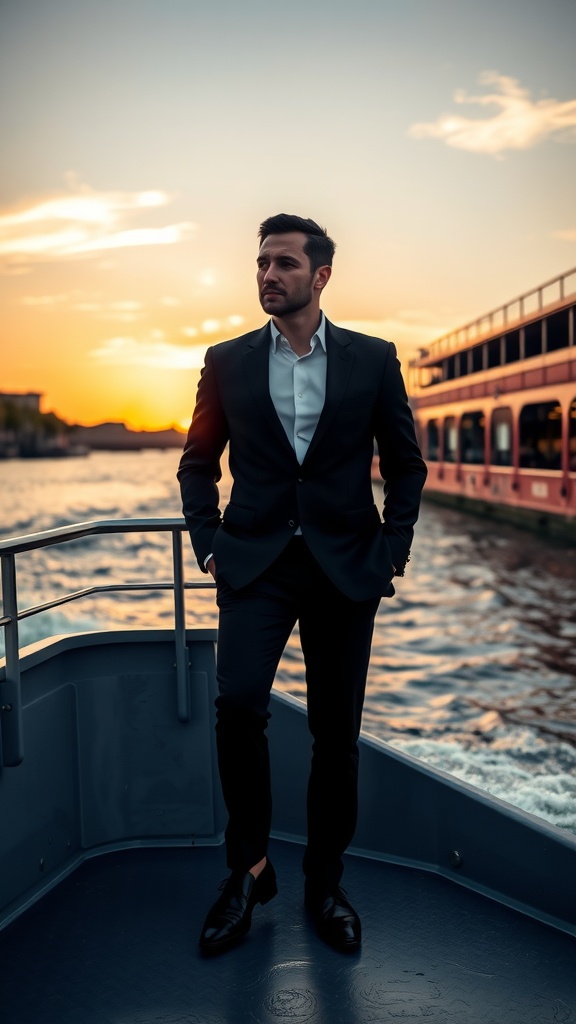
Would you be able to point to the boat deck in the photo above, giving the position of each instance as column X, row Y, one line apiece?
column 116, row 943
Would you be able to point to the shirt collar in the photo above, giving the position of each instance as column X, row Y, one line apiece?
column 320, row 334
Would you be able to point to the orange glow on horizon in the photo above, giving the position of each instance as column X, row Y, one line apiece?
column 130, row 356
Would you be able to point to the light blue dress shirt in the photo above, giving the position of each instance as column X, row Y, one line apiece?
column 298, row 386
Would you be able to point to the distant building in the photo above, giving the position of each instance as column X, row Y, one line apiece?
column 27, row 400
column 25, row 431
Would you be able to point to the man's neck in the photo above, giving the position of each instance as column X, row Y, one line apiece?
column 299, row 329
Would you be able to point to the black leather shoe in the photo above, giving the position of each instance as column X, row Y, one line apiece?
column 336, row 921
column 230, row 918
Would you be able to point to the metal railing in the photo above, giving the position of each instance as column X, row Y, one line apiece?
column 10, row 688
column 502, row 317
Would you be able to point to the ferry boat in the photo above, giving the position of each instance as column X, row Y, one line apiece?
column 495, row 408
column 111, row 831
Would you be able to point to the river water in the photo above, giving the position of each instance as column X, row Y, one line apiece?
column 473, row 663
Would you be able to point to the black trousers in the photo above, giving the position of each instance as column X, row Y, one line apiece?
column 255, row 623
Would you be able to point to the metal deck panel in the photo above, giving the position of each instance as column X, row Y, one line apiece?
column 116, row 943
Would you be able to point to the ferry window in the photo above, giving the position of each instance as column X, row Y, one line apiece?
column 472, row 437
column 501, row 437
column 512, row 346
column 557, row 331
column 494, row 352
column 533, row 340
column 572, row 440
column 433, row 441
column 477, row 358
column 449, row 368
column 541, row 436
column 450, row 439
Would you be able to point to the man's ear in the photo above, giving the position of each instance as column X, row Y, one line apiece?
column 322, row 276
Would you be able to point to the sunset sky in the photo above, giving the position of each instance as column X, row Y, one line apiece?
column 143, row 141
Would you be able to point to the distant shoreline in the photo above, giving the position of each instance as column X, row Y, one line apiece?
column 80, row 441
column 119, row 437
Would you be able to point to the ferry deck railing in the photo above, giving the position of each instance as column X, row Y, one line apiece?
column 10, row 688
column 502, row 316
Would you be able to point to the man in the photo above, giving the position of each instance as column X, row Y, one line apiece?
column 301, row 404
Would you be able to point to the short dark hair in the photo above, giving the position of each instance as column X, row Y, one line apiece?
column 318, row 247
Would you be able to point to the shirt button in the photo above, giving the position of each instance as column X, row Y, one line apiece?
column 300, row 480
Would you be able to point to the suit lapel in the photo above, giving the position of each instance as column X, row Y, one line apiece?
column 256, row 367
column 340, row 355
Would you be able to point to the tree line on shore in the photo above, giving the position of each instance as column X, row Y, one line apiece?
column 25, row 430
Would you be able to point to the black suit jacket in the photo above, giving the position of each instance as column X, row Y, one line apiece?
column 330, row 495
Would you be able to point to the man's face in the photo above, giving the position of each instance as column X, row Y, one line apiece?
column 285, row 282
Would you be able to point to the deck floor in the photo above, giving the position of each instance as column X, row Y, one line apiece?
column 116, row 943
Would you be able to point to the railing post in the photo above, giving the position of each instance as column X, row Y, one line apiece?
column 10, row 695
column 182, row 656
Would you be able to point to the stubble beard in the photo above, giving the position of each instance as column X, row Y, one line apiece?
column 284, row 305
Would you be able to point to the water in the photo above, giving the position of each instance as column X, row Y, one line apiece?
column 474, row 660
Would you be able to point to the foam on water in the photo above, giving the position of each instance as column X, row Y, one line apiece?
column 517, row 769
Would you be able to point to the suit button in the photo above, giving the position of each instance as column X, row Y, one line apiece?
column 300, row 480
column 291, row 523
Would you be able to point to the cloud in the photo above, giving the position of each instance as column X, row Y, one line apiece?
column 127, row 306
column 45, row 301
column 152, row 353
column 82, row 302
column 69, row 226
column 213, row 326
column 520, row 122
column 568, row 236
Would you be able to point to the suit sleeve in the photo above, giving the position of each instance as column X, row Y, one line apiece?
column 401, row 464
column 200, row 466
